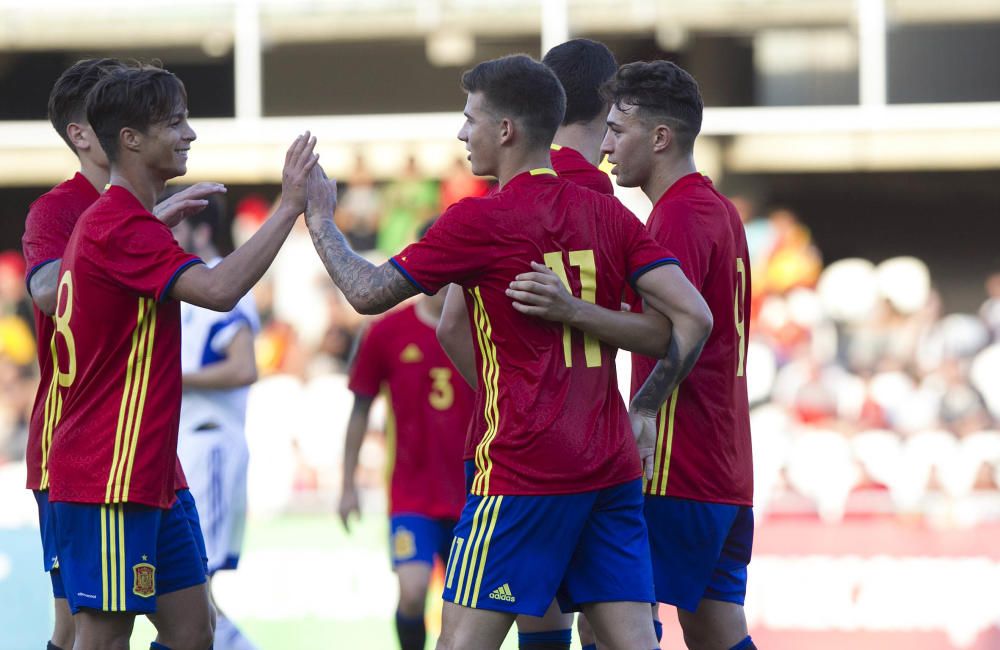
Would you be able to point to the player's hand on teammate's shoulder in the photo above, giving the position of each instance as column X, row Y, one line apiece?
column 299, row 162
column 348, row 505
column 186, row 203
column 644, row 430
column 541, row 293
column 321, row 194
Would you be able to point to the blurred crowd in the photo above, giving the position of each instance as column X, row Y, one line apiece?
column 866, row 399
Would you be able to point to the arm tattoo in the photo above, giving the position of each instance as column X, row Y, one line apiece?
column 370, row 289
column 666, row 376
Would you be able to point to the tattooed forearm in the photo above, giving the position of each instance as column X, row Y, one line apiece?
column 667, row 374
column 370, row 289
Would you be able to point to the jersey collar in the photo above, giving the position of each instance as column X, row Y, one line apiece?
column 682, row 183
column 532, row 175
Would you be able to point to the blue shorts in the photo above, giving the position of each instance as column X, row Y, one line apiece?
column 119, row 557
column 700, row 550
column 50, row 553
column 516, row 553
column 416, row 538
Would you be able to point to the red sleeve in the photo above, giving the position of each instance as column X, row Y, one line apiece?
column 453, row 250
column 644, row 254
column 46, row 231
column 143, row 257
column 368, row 369
column 676, row 229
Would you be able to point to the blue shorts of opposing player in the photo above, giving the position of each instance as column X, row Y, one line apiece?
column 700, row 550
column 50, row 552
column 515, row 553
column 120, row 557
column 417, row 538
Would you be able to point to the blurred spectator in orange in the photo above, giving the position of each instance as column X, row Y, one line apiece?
column 459, row 184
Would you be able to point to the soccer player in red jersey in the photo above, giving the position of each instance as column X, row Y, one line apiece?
column 582, row 66
column 48, row 226
column 430, row 409
column 126, row 543
column 555, row 503
column 698, row 503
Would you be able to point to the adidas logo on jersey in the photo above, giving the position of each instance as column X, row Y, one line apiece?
column 502, row 593
column 411, row 354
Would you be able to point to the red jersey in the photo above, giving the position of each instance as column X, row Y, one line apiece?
column 572, row 166
column 548, row 412
column 47, row 228
column 703, row 447
column 117, row 338
column 430, row 409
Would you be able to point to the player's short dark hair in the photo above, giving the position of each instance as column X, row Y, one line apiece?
column 135, row 98
column 523, row 89
column 662, row 91
column 68, row 98
column 582, row 66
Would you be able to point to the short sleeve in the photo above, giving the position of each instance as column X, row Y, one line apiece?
column 143, row 256
column 368, row 369
column 453, row 250
column 643, row 253
column 46, row 231
column 676, row 229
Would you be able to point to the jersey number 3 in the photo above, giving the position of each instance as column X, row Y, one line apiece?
column 584, row 260
column 442, row 394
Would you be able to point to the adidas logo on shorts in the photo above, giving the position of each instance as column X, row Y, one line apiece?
column 502, row 593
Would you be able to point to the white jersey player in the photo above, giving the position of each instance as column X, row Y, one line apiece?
column 218, row 366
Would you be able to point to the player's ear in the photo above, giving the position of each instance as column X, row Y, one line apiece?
column 506, row 130
column 130, row 139
column 663, row 137
column 77, row 135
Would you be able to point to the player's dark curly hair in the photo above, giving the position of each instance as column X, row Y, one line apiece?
column 582, row 66
column 136, row 98
column 523, row 89
column 663, row 92
column 68, row 98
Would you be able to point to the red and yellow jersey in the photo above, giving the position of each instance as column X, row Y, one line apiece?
column 47, row 228
column 431, row 406
column 117, row 342
column 703, row 448
column 572, row 166
column 548, row 412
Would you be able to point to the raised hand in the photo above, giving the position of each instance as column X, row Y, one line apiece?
column 299, row 162
column 186, row 203
column 541, row 293
column 644, row 430
column 321, row 196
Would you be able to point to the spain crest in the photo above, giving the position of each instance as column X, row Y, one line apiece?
column 145, row 580
column 404, row 545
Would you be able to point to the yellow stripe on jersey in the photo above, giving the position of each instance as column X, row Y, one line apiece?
column 126, row 414
column 539, row 171
column 491, row 385
column 49, row 419
column 147, row 365
column 390, row 441
column 486, row 550
column 463, row 572
column 669, row 442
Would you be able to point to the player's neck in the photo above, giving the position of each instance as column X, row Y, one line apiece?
column 518, row 162
column 429, row 310
column 666, row 174
column 141, row 181
column 97, row 175
column 584, row 137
